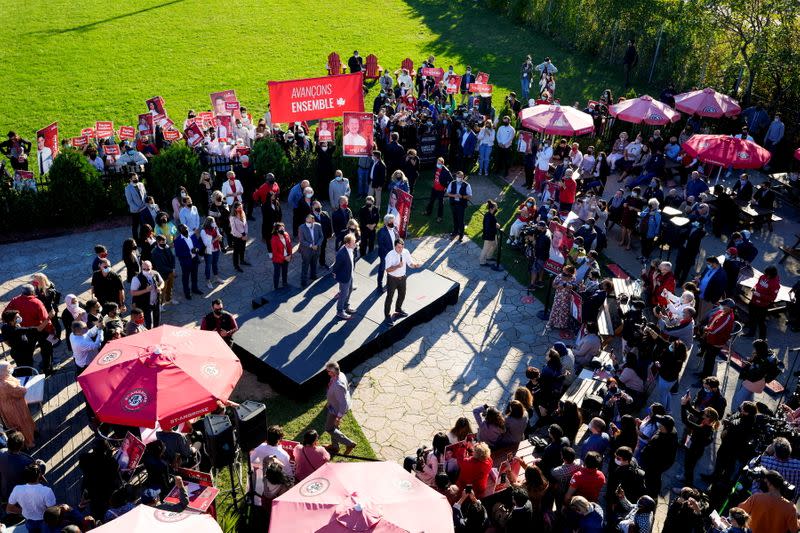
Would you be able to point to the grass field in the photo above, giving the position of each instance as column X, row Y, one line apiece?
column 78, row 62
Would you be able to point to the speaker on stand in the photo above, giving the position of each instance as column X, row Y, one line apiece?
column 251, row 427
column 220, row 444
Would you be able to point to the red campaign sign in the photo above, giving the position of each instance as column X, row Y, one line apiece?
column 482, row 88
column 88, row 133
column 482, row 77
column 223, row 125
column 195, row 476
column 160, row 119
column 103, row 129
column 127, row 132
column 155, row 106
column 232, row 106
column 435, row 73
column 357, row 138
column 401, row 201
column 111, row 149
column 146, row 126
column 193, row 134
column 130, row 452
column 525, row 142
column 460, row 447
column 220, row 99
column 172, row 135
column 200, row 497
column 78, row 142
column 326, row 130
column 289, row 446
column 560, row 243
column 46, row 147
column 314, row 98
column 24, row 174
column 453, row 84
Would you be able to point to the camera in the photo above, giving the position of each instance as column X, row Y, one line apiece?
column 422, row 454
column 538, row 443
column 756, row 474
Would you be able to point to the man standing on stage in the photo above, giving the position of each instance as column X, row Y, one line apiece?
column 396, row 262
column 338, row 405
column 386, row 238
column 343, row 274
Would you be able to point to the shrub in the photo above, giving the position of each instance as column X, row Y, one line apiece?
column 269, row 156
column 76, row 189
column 303, row 165
column 28, row 207
column 174, row 167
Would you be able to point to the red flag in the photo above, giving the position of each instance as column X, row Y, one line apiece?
column 313, row 98
column 402, row 202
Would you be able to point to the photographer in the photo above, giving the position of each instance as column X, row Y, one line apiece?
column 778, row 457
column 737, row 431
column 469, row 515
column 427, row 461
column 687, row 513
column 769, row 511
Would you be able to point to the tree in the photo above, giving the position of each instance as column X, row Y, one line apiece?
column 75, row 189
column 177, row 166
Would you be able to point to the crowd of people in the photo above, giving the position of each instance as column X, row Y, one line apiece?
column 611, row 477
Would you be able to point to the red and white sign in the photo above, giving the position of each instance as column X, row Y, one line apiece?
column 314, row 98
column 78, row 142
column 200, row 497
column 357, row 138
column 224, row 127
column 46, row 147
column 560, row 243
column 172, row 135
column 525, row 142
column 193, row 134
column 88, row 133
column 146, row 124
column 221, row 100
column 103, row 129
column 453, row 84
column 482, row 77
column 435, row 73
column 127, row 132
column 111, row 149
column 326, row 130
column 480, row 88
column 130, row 452
column 155, row 106
column 195, row 476
column 401, row 201
column 576, row 304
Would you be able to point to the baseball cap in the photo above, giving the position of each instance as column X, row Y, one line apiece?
column 733, row 251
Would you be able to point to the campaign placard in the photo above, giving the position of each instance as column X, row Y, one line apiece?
column 315, row 98
column 130, row 452
column 560, row 243
column 220, row 101
column 401, row 201
column 223, row 126
column 46, row 147
column 103, row 129
column 453, row 84
column 172, row 135
column 525, row 142
column 357, row 139
column 193, row 135
column 481, row 88
column 155, row 106
column 146, row 124
column 78, row 142
column 200, row 497
column 126, row 132
column 326, row 130
column 111, row 149
column 435, row 73
column 482, row 77
column 88, row 133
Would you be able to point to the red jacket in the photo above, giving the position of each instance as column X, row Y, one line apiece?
column 277, row 248
column 475, row 473
column 662, row 282
column 765, row 291
column 260, row 195
column 720, row 325
column 567, row 194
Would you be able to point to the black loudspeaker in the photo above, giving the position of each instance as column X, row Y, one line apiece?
column 220, row 440
column 251, row 420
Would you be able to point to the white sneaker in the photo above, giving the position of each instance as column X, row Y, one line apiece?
column 218, row 279
column 209, row 284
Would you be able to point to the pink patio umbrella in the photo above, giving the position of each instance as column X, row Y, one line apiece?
column 374, row 497
column 707, row 103
column 644, row 110
column 726, row 151
column 152, row 520
column 556, row 120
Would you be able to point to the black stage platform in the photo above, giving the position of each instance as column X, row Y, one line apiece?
column 294, row 333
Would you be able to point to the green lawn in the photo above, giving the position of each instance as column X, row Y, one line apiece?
column 78, row 62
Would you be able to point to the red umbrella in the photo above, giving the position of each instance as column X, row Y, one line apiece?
column 644, row 109
column 726, row 151
column 707, row 103
column 556, row 120
column 166, row 375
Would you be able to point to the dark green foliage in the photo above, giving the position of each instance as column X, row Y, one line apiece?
column 176, row 166
column 76, row 189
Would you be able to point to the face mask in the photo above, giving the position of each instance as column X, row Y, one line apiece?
column 162, row 245
column 103, row 255
column 339, row 178
column 281, row 231
column 529, row 204
column 309, row 224
column 106, row 270
column 344, row 206
column 18, row 320
column 618, row 462
column 214, row 225
column 439, row 165
column 634, row 194
column 317, row 210
column 459, row 180
column 706, row 390
column 309, row 195
column 148, row 273
column 390, row 224
column 139, row 320
column 369, row 204
column 323, row 148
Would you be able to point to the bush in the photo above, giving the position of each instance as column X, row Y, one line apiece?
column 16, row 207
column 174, row 167
column 303, row 166
column 76, row 189
column 269, row 156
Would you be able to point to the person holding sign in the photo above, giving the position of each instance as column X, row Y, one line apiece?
column 396, row 263
column 459, row 192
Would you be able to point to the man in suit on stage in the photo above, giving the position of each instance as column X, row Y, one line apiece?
column 310, row 241
column 386, row 237
column 343, row 274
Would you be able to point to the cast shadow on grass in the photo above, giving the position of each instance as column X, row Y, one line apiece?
column 92, row 25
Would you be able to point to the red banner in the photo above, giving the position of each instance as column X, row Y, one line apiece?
column 326, row 130
column 435, row 73
column 482, row 78
column 357, row 138
column 401, row 201
column 78, row 142
column 88, row 133
column 127, row 132
column 172, row 135
column 46, row 147
column 313, row 98
column 111, row 149
column 103, row 129
column 453, row 84
column 481, row 88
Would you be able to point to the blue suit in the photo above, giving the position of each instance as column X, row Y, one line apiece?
column 189, row 264
column 717, row 285
column 385, row 245
column 343, row 273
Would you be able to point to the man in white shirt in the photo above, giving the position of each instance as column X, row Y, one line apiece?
column 189, row 215
column 396, row 263
column 31, row 499
column 232, row 188
column 85, row 344
column 273, row 447
column 505, row 136
column 543, row 157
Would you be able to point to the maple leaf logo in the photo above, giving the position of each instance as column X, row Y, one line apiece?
column 340, row 101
